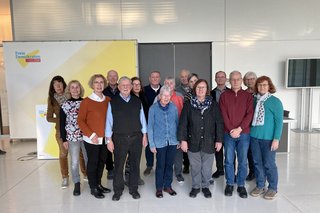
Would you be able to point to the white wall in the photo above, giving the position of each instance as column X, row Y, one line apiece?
column 247, row 35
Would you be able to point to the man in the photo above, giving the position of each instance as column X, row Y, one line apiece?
column 111, row 91
column 249, row 80
column 183, row 88
column 221, row 79
column 236, row 106
column 126, row 132
column 151, row 91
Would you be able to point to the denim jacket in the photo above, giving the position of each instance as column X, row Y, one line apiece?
column 162, row 126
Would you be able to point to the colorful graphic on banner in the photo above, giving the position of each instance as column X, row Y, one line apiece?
column 24, row 59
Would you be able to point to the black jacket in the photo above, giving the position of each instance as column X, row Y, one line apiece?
column 201, row 131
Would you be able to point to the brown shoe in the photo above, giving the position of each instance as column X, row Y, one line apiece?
column 170, row 191
column 159, row 194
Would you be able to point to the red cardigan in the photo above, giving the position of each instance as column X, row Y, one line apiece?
column 237, row 110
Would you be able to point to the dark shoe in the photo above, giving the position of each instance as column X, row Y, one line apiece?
column 242, row 192
column 211, row 181
column 250, row 176
column 147, row 171
column 135, row 195
column 110, row 175
column 116, row 197
column 228, row 191
column 103, row 189
column 180, row 178
column 194, row 192
column 185, row 170
column 206, row 192
column 2, row 152
column 218, row 174
column 96, row 193
column 159, row 194
column 170, row 191
column 76, row 190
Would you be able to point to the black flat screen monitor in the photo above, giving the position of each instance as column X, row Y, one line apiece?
column 303, row 72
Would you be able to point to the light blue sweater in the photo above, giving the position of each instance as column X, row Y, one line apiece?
column 162, row 126
column 273, row 120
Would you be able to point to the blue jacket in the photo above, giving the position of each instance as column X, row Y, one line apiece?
column 162, row 126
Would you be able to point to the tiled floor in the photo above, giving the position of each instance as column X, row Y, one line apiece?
column 34, row 186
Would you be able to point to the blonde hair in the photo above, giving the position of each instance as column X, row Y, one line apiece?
column 68, row 88
column 94, row 77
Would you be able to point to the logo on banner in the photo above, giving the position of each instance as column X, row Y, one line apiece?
column 25, row 58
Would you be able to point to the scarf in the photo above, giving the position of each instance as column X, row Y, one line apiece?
column 60, row 98
column 259, row 113
column 164, row 108
column 202, row 106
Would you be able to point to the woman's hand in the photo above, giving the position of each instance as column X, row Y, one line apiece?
column 95, row 139
column 184, row 146
column 153, row 150
column 274, row 145
column 218, row 146
column 66, row 145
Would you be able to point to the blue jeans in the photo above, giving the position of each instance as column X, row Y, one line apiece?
column 241, row 146
column 264, row 160
column 164, row 168
column 74, row 150
column 149, row 156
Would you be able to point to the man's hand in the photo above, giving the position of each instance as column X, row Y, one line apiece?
column 144, row 140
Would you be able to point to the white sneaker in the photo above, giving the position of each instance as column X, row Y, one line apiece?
column 85, row 178
column 65, row 183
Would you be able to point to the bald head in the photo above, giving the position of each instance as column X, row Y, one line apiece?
column 112, row 78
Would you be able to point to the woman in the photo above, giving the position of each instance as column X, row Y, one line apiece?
column 137, row 90
column 201, row 134
column 56, row 98
column 162, row 136
column 192, row 79
column 265, row 135
column 92, row 120
column 70, row 131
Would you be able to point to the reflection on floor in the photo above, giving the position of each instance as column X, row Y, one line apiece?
column 31, row 185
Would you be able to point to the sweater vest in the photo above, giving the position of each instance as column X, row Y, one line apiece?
column 126, row 115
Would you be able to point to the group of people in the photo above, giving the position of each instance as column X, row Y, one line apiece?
column 185, row 127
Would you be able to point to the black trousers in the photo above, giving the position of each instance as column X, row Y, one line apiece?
column 124, row 145
column 97, row 155
column 219, row 160
column 109, row 161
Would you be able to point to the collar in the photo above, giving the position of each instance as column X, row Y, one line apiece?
column 95, row 97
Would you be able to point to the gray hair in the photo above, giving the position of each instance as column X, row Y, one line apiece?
column 234, row 72
column 123, row 78
column 170, row 79
column 250, row 73
column 165, row 88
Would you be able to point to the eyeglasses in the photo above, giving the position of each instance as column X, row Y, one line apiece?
column 201, row 88
column 263, row 85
